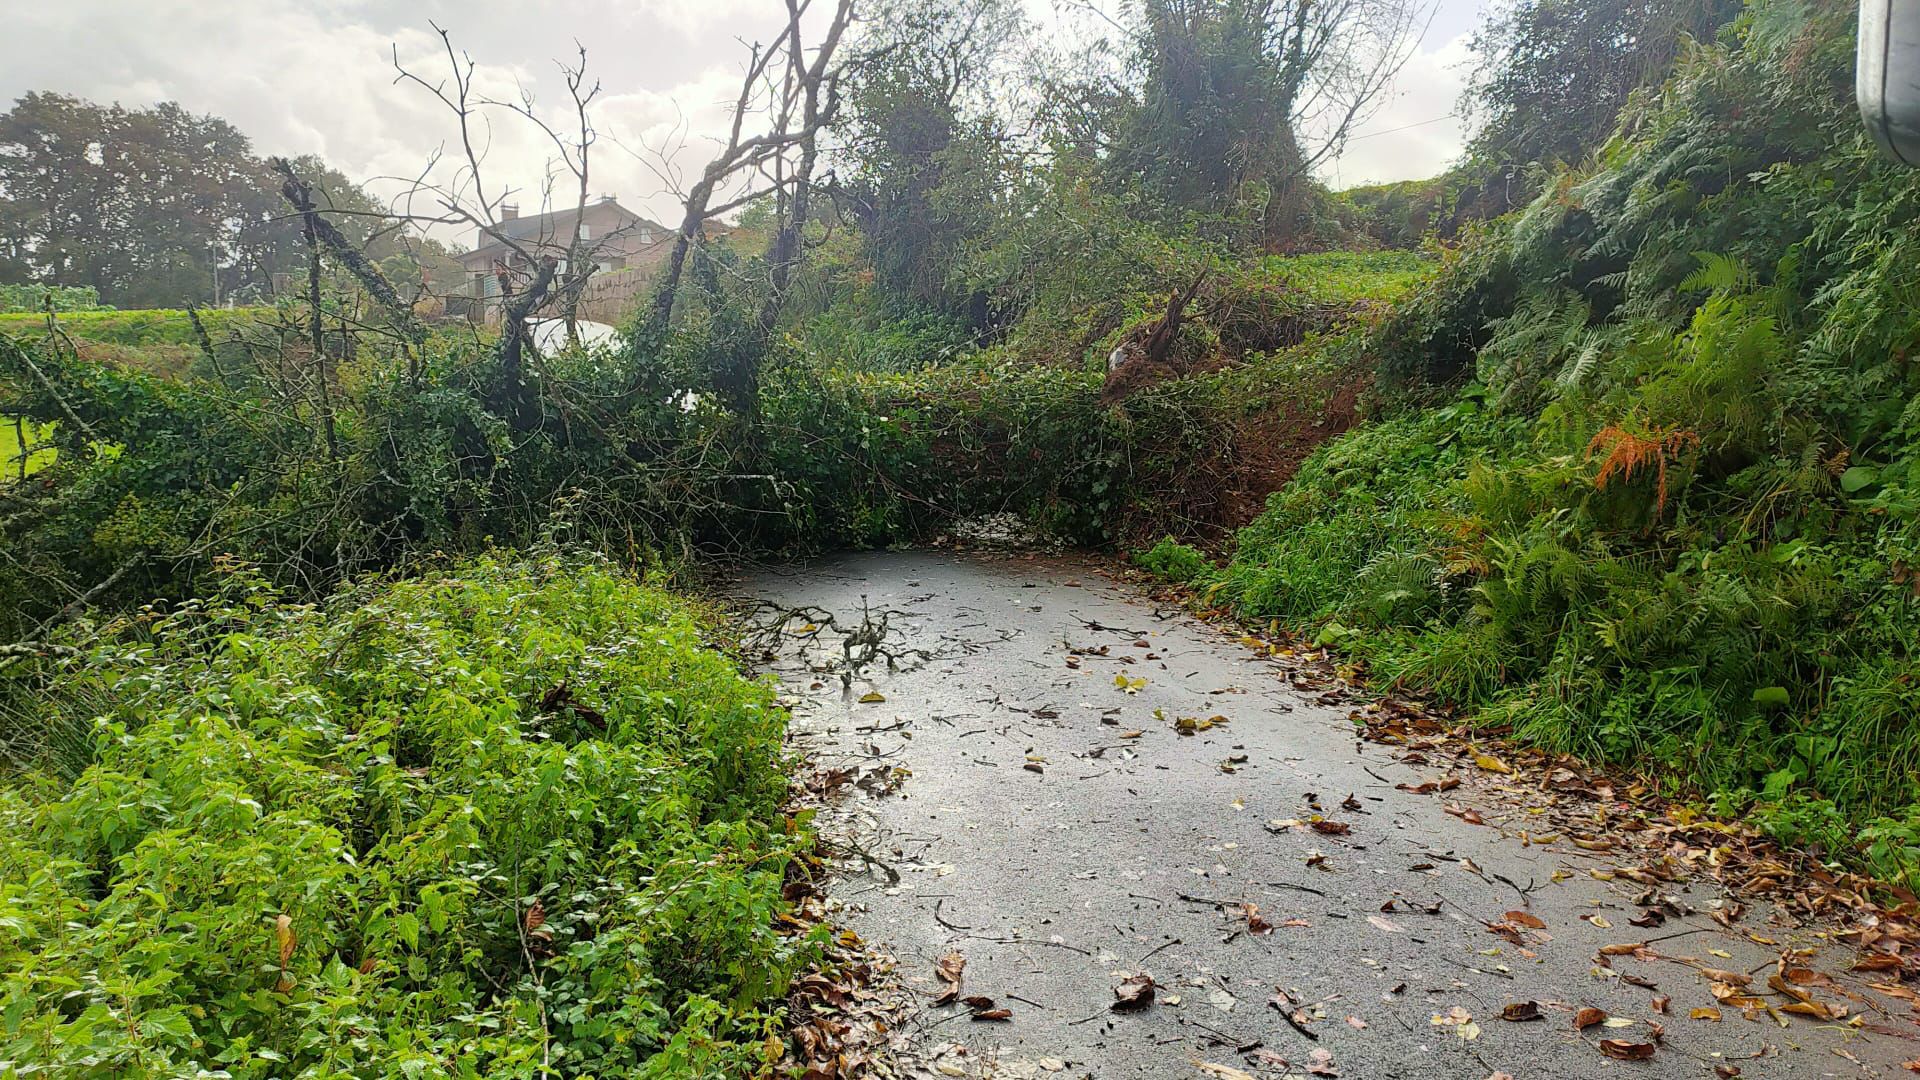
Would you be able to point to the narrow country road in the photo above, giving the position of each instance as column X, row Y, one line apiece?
column 1028, row 802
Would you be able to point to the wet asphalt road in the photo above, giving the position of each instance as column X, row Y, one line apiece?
column 1121, row 855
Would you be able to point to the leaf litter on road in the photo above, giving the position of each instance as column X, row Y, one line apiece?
column 1135, row 992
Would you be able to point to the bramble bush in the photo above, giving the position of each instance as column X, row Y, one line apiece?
column 507, row 818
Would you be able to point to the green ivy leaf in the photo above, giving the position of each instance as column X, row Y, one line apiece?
column 1858, row 477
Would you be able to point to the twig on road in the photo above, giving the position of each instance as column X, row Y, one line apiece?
column 937, row 917
column 1168, row 944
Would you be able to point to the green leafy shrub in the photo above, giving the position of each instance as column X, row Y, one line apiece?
column 1174, row 561
column 511, row 819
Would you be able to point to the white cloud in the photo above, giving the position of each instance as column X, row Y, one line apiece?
column 1418, row 133
column 320, row 79
column 317, row 78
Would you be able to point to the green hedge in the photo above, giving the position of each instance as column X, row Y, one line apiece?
column 153, row 326
column 484, row 823
column 38, row 298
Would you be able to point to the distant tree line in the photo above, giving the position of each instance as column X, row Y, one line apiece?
column 159, row 207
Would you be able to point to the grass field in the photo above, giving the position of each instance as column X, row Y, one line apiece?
column 10, row 435
column 1346, row 277
column 155, row 326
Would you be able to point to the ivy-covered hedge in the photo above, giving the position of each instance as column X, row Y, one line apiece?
column 512, row 819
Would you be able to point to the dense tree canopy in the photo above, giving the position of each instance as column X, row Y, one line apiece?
column 923, row 140
column 152, row 207
column 1552, row 74
column 1225, row 106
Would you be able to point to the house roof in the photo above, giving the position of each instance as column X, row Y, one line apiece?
column 553, row 228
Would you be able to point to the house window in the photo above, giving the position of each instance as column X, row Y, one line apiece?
column 586, row 231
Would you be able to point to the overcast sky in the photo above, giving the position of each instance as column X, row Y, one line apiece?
column 319, row 78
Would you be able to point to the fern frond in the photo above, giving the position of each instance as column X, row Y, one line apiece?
column 1717, row 273
column 1628, row 452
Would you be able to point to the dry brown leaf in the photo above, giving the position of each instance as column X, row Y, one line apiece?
column 1255, row 924
column 1895, row 990
column 1135, row 992
column 949, row 968
column 283, row 933
column 1588, row 1017
column 1626, row 1051
column 1428, row 787
column 1728, row 994
column 1527, row 919
column 1520, row 1011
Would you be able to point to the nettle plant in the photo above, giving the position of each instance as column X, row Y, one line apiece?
column 513, row 822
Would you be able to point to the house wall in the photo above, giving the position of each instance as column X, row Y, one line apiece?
column 627, row 251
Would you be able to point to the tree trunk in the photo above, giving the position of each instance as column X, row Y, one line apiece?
column 317, row 338
column 513, row 344
column 399, row 312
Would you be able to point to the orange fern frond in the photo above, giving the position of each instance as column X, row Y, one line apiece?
column 1628, row 452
